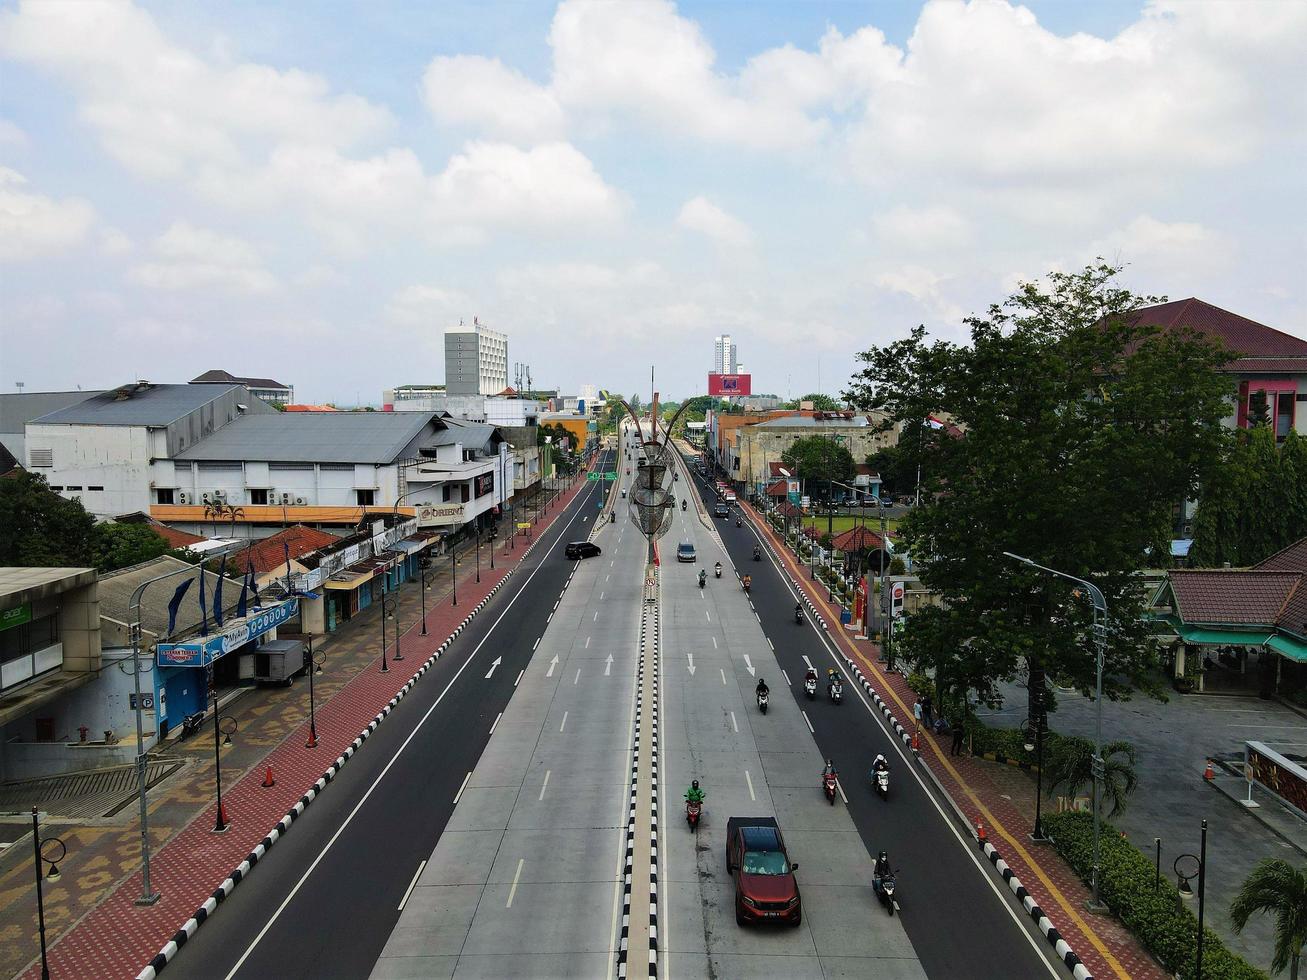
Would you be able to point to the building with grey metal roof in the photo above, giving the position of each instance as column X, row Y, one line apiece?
column 17, row 409
column 318, row 437
column 143, row 403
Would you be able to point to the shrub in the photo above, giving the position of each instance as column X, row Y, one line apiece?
column 1154, row 915
column 921, row 683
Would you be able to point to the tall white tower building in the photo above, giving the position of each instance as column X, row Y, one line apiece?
column 476, row 360
column 724, row 355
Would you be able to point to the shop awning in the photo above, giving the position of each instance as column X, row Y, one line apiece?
column 411, row 546
column 1212, row 637
column 1288, row 647
column 361, row 572
column 347, row 580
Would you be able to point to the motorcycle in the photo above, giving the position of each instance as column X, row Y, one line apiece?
column 828, row 784
column 762, row 701
column 682, row 505
column 884, row 887
column 757, row 554
column 703, row 577
column 717, row 570
column 692, row 810
column 798, row 615
column 191, row 724
column 746, row 581
column 881, row 779
column 810, row 688
column 739, row 523
column 836, row 692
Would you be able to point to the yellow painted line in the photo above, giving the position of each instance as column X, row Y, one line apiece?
column 998, row 827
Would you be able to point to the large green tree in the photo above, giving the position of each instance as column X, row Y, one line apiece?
column 1278, row 889
column 817, row 460
column 820, row 402
column 1080, row 430
column 38, row 527
column 119, row 545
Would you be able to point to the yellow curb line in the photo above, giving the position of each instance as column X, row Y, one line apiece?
column 1061, row 899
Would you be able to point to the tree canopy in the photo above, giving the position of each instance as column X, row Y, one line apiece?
column 817, row 459
column 820, row 402
column 1081, row 430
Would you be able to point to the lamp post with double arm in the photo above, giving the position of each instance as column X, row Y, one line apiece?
column 1100, row 654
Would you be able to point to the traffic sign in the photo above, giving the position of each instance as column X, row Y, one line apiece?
column 523, row 525
column 592, row 477
column 610, row 477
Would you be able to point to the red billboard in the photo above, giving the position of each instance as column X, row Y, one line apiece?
column 729, row 385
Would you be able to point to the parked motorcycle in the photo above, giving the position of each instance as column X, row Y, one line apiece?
column 884, row 887
column 191, row 724
column 828, row 784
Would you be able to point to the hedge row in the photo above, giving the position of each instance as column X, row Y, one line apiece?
column 1153, row 915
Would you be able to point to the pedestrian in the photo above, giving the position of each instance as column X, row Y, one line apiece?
column 916, row 712
column 927, row 712
column 957, row 738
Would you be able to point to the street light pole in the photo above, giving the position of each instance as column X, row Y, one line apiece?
column 1100, row 647
column 37, row 845
column 424, row 563
column 385, row 668
column 312, row 743
column 220, row 821
column 394, row 614
column 478, row 534
column 1202, row 894
column 1037, row 836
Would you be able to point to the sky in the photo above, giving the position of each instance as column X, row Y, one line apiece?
column 314, row 191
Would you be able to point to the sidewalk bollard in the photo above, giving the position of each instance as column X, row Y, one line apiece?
column 981, row 837
column 268, row 781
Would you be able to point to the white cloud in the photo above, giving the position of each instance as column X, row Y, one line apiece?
column 12, row 135
column 427, row 306
column 468, row 90
column 34, row 226
column 922, row 229
column 701, row 215
column 114, row 242
column 187, row 257
column 1170, row 254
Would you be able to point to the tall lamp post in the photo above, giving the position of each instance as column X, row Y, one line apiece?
column 478, row 536
column 315, row 662
column 1100, row 648
column 51, row 851
column 424, row 569
column 223, row 728
column 385, row 667
column 392, row 612
column 1038, row 724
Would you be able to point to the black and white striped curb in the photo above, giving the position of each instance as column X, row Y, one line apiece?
column 242, row 870
column 628, row 870
column 1060, row 945
column 796, row 585
column 656, row 647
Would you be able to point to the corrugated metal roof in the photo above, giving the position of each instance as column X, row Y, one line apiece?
column 17, row 409
column 115, row 593
column 312, row 437
column 808, row 422
column 473, row 435
column 152, row 405
column 210, row 377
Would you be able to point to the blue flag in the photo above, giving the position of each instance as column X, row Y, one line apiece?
column 175, row 603
column 240, row 603
column 204, row 610
column 286, row 548
column 217, row 593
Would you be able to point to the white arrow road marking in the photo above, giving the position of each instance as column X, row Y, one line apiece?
column 691, row 656
column 552, row 664
column 808, row 662
column 513, row 891
column 494, row 664
column 748, row 665
column 411, row 885
column 608, row 665
column 749, row 779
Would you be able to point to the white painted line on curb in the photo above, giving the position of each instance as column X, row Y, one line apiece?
column 412, row 884
column 496, row 724
column 513, row 891
column 545, row 785
column 549, row 618
column 459, row 794
column 809, row 723
column 737, row 727
column 519, row 677
column 840, row 787
column 749, row 779
column 786, row 676
column 535, row 644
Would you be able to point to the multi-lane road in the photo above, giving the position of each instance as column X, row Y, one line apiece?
column 483, row 829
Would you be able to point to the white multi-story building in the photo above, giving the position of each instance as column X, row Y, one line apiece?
column 476, row 360
column 724, row 355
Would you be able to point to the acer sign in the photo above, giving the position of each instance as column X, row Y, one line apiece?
column 729, row 385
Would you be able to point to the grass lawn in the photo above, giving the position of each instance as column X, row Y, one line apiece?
column 841, row 523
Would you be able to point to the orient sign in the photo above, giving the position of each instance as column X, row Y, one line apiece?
column 430, row 515
column 485, row 483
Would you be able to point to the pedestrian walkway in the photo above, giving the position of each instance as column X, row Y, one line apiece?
column 92, row 923
column 1101, row 942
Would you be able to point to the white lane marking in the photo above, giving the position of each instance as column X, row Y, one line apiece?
column 769, row 642
column 691, row 664
column 564, row 724
column 519, row 677
column 723, row 673
column 708, row 614
column 809, row 723
column 577, row 677
column 513, row 891
column 496, row 724
column 535, row 644
column 733, row 724
column 749, row 779
column 545, row 785
column 601, row 594
column 596, row 617
column 714, row 643
column 605, row 578
column 587, row 643
column 494, row 665
column 549, row 618
column 393, row 759
column 748, row 665
column 786, row 676
column 412, row 884
column 459, row 794
column 608, row 665
column 841, row 789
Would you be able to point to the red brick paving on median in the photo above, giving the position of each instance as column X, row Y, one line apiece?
column 1104, row 945
column 117, row 938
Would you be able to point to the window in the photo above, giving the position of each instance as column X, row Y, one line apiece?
column 57, row 489
column 72, row 488
column 100, row 489
column 164, row 496
column 446, row 491
column 467, row 495
column 365, row 497
column 259, row 497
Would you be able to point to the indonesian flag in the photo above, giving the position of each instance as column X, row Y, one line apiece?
column 933, row 422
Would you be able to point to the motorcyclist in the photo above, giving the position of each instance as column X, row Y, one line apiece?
column 829, row 770
column 717, row 569
column 739, row 522
column 762, row 688
column 879, row 764
column 798, row 610
column 882, row 869
column 683, row 504
column 811, row 675
column 757, row 552
column 694, row 794
column 703, row 577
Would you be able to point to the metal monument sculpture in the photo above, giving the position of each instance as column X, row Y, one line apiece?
column 651, row 501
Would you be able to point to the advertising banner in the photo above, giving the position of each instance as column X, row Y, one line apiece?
column 204, row 650
column 437, row 514
column 730, row 385
column 485, row 483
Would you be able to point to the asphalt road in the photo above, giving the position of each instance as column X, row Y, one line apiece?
column 327, row 897
column 962, row 920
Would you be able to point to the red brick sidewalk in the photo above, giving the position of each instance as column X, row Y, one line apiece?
column 1105, row 947
column 117, row 938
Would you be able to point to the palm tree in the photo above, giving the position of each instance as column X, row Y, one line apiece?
column 1275, row 887
column 1071, row 767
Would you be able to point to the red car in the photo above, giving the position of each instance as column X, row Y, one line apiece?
column 765, row 887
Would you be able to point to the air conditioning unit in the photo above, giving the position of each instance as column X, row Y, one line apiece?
column 285, row 498
column 299, row 501
column 272, row 496
column 206, row 497
column 183, row 498
column 219, row 495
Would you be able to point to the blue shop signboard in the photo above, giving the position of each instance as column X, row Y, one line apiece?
column 204, row 650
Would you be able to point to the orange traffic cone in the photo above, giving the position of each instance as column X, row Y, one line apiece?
column 268, row 781
column 916, row 741
column 1210, row 772
column 981, row 836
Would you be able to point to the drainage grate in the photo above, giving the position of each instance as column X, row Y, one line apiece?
column 93, row 793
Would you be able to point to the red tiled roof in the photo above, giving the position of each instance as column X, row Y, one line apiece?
column 269, row 553
column 1290, row 559
column 1233, row 595
column 778, row 489
column 790, row 511
column 857, row 539
column 174, row 537
column 777, row 470
column 1247, row 338
column 310, row 408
